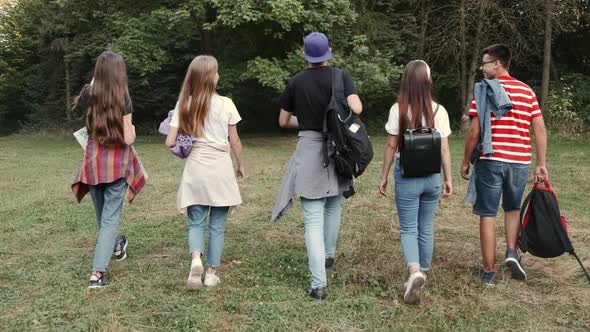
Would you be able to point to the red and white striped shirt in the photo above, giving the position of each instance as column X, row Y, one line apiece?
column 511, row 138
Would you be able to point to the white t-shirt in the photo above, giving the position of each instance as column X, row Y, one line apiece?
column 441, row 120
column 222, row 114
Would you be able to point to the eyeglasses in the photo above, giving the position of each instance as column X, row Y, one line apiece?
column 486, row 62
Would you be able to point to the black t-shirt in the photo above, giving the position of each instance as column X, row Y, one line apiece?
column 82, row 105
column 308, row 93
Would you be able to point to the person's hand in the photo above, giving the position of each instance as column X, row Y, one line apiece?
column 241, row 172
column 383, row 187
column 541, row 174
column 448, row 188
column 465, row 170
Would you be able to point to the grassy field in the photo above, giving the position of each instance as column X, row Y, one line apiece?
column 47, row 241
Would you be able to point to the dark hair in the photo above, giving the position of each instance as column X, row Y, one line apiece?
column 415, row 96
column 499, row 52
column 108, row 99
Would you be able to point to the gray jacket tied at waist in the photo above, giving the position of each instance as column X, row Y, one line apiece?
column 306, row 175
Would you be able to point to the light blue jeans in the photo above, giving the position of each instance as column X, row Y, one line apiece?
column 197, row 218
column 108, row 203
column 322, row 223
column 416, row 200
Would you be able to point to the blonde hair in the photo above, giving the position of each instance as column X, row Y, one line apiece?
column 195, row 97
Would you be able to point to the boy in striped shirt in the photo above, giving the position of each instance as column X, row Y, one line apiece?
column 504, row 173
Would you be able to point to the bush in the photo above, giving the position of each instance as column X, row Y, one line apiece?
column 568, row 106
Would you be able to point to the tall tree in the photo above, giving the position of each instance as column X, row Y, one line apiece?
column 546, row 52
column 425, row 6
column 475, row 59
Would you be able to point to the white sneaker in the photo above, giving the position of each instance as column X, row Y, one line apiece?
column 211, row 280
column 194, row 278
column 413, row 286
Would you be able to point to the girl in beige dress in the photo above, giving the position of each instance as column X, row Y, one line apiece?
column 208, row 187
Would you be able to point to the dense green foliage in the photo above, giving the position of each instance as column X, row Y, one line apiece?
column 48, row 49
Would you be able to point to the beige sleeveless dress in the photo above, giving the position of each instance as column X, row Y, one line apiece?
column 208, row 177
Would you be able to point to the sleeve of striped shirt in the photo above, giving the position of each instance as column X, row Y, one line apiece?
column 535, row 109
column 473, row 110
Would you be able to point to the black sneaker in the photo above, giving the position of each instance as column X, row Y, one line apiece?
column 122, row 244
column 514, row 265
column 98, row 282
column 330, row 262
column 487, row 277
column 319, row 293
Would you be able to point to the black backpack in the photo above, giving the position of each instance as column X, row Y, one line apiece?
column 543, row 230
column 420, row 151
column 346, row 133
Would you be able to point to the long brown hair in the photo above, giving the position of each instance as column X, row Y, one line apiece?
column 108, row 99
column 415, row 95
column 195, row 97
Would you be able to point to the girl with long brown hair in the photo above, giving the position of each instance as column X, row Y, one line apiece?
column 416, row 198
column 208, row 187
column 110, row 164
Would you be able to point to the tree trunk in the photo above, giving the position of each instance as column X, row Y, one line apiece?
column 423, row 27
column 554, row 72
column 473, row 65
column 68, row 97
column 206, row 46
column 68, row 83
column 463, row 71
column 546, row 53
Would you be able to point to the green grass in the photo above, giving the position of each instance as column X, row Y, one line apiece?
column 47, row 242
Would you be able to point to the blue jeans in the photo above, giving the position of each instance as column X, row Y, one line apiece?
column 197, row 218
column 322, row 223
column 497, row 179
column 108, row 203
column 416, row 200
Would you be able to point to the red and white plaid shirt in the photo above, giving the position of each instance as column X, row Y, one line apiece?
column 106, row 164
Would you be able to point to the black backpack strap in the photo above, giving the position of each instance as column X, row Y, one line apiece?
column 525, row 205
column 435, row 111
column 581, row 265
column 325, row 125
column 325, row 142
column 338, row 86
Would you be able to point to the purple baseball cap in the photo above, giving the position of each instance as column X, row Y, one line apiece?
column 316, row 48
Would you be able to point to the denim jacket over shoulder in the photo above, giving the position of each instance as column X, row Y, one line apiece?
column 490, row 97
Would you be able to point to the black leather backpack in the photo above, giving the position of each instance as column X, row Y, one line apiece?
column 420, row 151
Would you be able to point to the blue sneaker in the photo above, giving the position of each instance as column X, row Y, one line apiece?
column 488, row 278
column 514, row 265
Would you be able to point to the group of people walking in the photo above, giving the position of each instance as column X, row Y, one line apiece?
column 498, row 145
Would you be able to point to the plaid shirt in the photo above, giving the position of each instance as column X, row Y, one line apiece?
column 106, row 164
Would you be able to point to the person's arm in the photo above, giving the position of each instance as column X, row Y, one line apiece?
column 446, row 165
column 352, row 97
column 173, row 128
column 236, row 147
column 541, row 173
column 171, row 137
column 128, row 130
column 470, row 143
column 354, row 102
column 388, row 157
column 287, row 120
